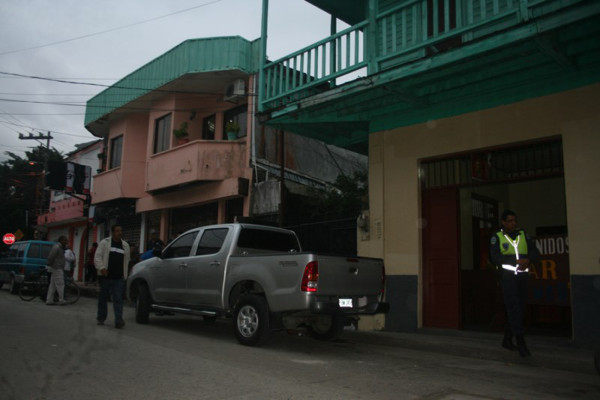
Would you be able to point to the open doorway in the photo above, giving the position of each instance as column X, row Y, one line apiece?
column 526, row 178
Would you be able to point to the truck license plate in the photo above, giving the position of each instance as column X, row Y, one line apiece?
column 345, row 303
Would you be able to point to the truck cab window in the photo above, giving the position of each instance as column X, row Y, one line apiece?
column 268, row 240
column 34, row 250
column 211, row 241
column 181, row 247
column 46, row 250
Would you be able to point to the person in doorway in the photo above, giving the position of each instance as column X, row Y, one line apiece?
column 56, row 265
column 154, row 243
column 92, row 276
column 511, row 250
column 112, row 262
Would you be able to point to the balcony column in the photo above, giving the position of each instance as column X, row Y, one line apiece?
column 371, row 43
column 164, row 225
column 263, row 53
column 219, row 126
column 222, row 211
column 333, row 49
column 143, row 229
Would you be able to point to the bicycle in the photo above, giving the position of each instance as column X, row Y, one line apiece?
column 36, row 284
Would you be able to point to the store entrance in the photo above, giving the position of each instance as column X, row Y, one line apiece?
column 460, row 286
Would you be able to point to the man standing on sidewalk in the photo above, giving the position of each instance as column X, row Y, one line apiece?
column 111, row 261
column 56, row 265
column 511, row 250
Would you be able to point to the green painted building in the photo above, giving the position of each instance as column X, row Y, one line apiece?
column 465, row 108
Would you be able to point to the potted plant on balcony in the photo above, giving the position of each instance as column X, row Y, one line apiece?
column 233, row 129
column 182, row 133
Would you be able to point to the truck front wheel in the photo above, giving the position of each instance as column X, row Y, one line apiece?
column 142, row 305
column 327, row 327
column 251, row 320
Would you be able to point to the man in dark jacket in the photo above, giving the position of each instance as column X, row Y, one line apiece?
column 511, row 250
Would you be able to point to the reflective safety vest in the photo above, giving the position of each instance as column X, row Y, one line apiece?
column 508, row 248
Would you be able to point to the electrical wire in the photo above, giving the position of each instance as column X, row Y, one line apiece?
column 72, row 82
column 108, row 30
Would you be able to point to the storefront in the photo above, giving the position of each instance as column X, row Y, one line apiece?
column 437, row 188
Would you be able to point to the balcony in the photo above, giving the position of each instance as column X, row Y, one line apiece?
column 125, row 182
column 416, row 55
column 197, row 161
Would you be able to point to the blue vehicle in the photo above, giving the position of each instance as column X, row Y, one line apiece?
column 22, row 258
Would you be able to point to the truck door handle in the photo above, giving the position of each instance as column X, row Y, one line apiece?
column 353, row 270
column 183, row 265
column 215, row 264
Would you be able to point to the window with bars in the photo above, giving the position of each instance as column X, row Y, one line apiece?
column 536, row 160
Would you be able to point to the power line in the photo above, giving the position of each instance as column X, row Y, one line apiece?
column 48, row 94
column 44, row 129
column 109, row 30
column 111, row 86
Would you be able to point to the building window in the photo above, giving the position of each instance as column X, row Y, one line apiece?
column 116, row 152
column 162, row 133
column 208, row 128
column 239, row 115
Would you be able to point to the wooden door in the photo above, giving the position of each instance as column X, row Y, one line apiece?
column 441, row 253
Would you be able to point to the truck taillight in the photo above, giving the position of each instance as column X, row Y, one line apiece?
column 310, row 277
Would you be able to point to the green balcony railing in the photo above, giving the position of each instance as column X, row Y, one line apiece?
column 408, row 31
column 313, row 66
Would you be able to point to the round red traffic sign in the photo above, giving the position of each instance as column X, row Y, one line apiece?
column 8, row 238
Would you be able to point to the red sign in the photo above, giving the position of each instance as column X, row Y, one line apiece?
column 8, row 239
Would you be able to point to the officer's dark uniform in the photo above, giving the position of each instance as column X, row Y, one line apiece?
column 504, row 250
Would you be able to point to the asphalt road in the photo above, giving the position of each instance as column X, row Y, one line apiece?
column 58, row 352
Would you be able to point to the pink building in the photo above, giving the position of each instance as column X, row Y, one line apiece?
column 68, row 215
column 153, row 180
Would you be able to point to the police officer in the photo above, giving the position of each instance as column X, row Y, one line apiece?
column 511, row 250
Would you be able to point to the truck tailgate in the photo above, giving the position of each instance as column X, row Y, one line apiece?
column 349, row 276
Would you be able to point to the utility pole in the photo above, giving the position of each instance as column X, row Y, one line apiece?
column 38, row 138
column 282, row 178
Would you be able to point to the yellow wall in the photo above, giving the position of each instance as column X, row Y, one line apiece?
column 393, row 171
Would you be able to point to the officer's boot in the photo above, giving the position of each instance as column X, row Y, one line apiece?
column 507, row 343
column 522, row 346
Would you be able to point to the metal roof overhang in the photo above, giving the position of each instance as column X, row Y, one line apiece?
column 201, row 84
column 350, row 11
column 197, row 66
column 532, row 60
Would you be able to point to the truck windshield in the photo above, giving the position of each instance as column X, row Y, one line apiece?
column 262, row 239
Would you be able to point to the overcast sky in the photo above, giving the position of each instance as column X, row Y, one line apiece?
column 101, row 41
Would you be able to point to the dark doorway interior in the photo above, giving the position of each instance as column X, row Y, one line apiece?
column 527, row 178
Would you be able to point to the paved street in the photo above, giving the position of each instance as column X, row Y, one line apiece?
column 54, row 352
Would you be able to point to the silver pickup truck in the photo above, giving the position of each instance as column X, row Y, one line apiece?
column 259, row 276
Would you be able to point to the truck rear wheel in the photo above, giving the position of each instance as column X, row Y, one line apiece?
column 251, row 320
column 327, row 327
column 142, row 305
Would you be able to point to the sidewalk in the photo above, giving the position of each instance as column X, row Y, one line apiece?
column 547, row 352
column 89, row 290
column 557, row 353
